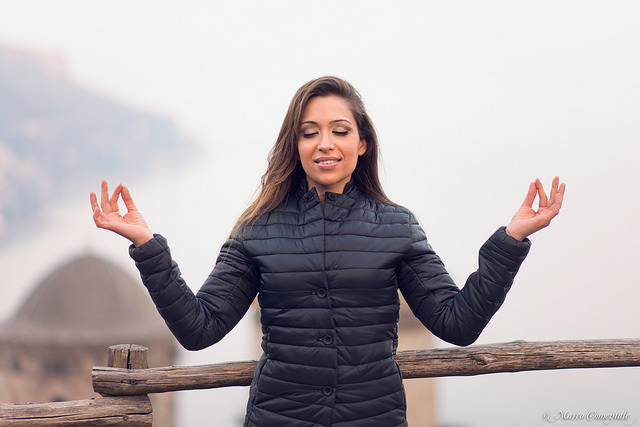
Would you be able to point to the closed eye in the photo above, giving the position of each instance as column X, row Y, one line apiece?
column 309, row 134
column 345, row 133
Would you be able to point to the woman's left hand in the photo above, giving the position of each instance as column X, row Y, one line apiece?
column 527, row 221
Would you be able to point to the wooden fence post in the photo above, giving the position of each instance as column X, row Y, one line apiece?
column 128, row 356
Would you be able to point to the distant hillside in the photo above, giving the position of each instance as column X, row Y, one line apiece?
column 55, row 136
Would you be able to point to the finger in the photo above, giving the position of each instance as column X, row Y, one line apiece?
column 554, row 188
column 543, row 196
column 531, row 195
column 556, row 204
column 104, row 197
column 128, row 200
column 96, row 216
column 113, row 201
column 560, row 196
column 99, row 218
column 557, row 197
column 94, row 201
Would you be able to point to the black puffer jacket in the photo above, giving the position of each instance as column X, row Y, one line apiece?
column 327, row 282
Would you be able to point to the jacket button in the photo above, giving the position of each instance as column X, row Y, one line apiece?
column 331, row 196
column 327, row 391
column 309, row 197
column 321, row 293
column 327, row 339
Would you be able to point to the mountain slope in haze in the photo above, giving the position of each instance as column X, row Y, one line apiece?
column 56, row 136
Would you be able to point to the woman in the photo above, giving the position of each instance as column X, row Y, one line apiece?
column 326, row 252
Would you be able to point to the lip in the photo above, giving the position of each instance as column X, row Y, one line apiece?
column 327, row 162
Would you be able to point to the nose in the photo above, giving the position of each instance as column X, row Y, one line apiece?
column 326, row 142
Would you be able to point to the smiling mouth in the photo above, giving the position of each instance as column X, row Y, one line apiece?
column 327, row 162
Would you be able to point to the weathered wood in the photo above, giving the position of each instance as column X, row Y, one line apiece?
column 132, row 411
column 138, row 357
column 118, row 355
column 519, row 356
column 115, row 381
column 128, row 356
column 474, row 360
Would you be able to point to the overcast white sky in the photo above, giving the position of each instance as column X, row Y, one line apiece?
column 472, row 100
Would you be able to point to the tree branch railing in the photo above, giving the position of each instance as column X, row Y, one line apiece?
column 132, row 411
column 125, row 383
column 474, row 360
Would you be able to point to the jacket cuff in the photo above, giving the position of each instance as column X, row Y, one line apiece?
column 509, row 244
column 149, row 249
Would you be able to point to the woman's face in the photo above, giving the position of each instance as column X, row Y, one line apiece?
column 329, row 144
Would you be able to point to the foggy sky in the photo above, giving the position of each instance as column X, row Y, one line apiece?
column 472, row 101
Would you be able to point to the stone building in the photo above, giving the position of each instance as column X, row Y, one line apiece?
column 65, row 326
column 76, row 312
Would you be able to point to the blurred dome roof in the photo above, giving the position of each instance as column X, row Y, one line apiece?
column 88, row 299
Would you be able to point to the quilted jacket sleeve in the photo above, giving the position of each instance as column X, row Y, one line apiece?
column 202, row 319
column 457, row 315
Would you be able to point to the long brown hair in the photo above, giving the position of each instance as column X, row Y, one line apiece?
column 284, row 170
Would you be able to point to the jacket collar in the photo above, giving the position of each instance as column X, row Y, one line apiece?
column 337, row 205
column 301, row 191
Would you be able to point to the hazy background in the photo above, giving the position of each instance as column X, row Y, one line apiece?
column 472, row 101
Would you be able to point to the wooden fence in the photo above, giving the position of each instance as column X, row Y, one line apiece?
column 125, row 383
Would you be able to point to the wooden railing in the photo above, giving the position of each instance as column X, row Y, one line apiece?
column 105, row 411
column 125, row 383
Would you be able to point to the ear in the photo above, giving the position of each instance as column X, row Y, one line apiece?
column 362, row 148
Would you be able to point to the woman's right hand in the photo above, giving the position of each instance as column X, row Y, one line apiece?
column 106, row 215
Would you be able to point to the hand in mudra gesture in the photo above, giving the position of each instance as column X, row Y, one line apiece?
column 132, row 225
column 107, row 215
column 527, row 221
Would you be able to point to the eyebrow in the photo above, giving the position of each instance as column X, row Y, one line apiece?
column 331, row 122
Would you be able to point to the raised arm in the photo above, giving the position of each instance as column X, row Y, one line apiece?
column 196, row 320
column 455, row 315
column 107, row 215
column 459, row 315
column 202, row 319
